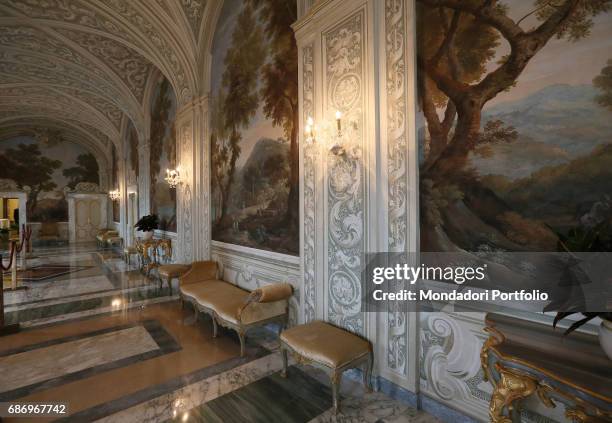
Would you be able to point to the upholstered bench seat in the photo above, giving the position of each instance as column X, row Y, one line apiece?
column 334, row 349
column 232, row 306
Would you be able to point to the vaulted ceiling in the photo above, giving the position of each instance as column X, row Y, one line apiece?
column 82, row 66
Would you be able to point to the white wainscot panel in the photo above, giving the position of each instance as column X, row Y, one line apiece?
column 250, row 268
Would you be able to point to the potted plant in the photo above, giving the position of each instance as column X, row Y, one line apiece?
column 593, row 235
column 605, row 329
column 147, row 225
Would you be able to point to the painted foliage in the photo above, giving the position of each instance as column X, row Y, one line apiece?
column 516, row 124
column 254, row 120
column 47, row 165
column 163, row 154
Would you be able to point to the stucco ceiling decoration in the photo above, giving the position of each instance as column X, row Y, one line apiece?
column 32, row 126
column 86, row 63
column 23, row 99
column 131, row 22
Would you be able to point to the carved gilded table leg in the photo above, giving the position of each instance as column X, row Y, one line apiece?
column 510, row 388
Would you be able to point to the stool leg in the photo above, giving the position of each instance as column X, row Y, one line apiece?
column 170, row 284
column 215, row 327
column 367, row 374
column 242, row 337
column 336, row 378
column 284, row 356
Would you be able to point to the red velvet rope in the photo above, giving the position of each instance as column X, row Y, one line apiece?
column 26, row 233
column 12, row 255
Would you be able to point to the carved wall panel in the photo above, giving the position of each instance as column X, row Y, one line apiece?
column 344, row 84
column 395, row 78
column 309, row 160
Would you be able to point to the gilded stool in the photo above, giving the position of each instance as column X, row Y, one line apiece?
column 325, row 346
column 171, row 271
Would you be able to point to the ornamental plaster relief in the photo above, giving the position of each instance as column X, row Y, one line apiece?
column 130, row 66
column 344, row 57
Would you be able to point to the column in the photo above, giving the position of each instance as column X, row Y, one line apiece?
column 193, row 202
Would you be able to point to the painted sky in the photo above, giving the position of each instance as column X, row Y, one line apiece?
column 560, row 61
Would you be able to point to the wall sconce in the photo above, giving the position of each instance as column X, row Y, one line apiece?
column 338, row 141
column 173, row 177
column 114, row 195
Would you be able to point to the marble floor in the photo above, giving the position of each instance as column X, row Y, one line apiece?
column 74, row 281
column 144, row 358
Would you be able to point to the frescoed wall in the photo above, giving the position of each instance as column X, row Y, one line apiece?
column 255, row 171
column 515, row 146
column 115, row 183
column 163, row 154
column 47, row 166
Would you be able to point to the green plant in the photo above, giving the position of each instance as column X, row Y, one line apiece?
column 147, row 223
column 581, row 239
column 587, row 317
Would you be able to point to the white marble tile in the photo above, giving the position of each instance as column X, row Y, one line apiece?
column 165, row 406
column 101, row 310
column 51, row 289
column 41, row 364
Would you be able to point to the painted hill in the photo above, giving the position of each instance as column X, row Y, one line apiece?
column 556, row 125
column 567, row 190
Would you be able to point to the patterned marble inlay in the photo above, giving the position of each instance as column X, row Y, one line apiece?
column 42, row 364
column 164, row 407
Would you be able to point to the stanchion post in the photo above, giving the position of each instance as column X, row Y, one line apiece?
column 5, row 329
column 13, row 265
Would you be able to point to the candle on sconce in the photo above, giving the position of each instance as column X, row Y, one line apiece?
column 339, row 120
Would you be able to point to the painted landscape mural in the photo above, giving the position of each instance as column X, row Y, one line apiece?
column 47, row 165
column 254, row 126
column 515, row 142
column 163, row 154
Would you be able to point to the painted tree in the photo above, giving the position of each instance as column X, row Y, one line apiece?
column 86, row 170
column 28, row 167
column 280, row 86
column 456, row 40
column 160, row 120
column 603, row 81
column 243, row 61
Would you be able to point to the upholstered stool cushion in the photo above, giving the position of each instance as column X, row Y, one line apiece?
column 172, row 270
column 130, row 250
column 115, row 240
column 326, row 344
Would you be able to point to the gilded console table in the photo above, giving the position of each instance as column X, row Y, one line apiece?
column 153, row 252
column 522, row 358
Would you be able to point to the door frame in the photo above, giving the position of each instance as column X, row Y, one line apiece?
column 72, row 197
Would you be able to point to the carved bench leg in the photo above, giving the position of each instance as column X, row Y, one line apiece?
column 285, row 358
column 336, row 379
column 242, row 337
column 215, row 327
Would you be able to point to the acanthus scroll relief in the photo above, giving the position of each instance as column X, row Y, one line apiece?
column 344, row 74
column 450, row 360
column 395, row 31
column 186, row 197
column 310, row 160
